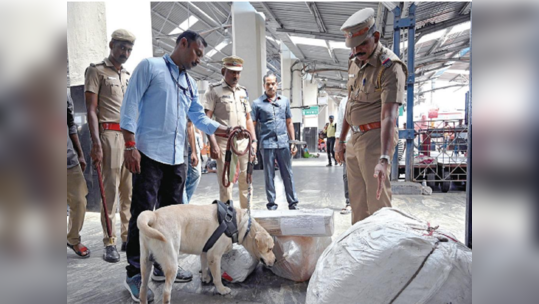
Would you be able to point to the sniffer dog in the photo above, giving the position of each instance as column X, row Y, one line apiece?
column 186, row 228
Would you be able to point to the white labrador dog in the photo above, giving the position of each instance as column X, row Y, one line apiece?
column 186, row 228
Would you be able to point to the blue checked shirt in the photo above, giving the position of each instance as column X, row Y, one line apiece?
column 272, row 119
column 155, row 108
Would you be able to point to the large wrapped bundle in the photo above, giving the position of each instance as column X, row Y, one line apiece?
column 296, row 256
column 304, row 222
column 237, row 264
column 392, row 257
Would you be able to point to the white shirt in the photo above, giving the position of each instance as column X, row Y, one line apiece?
column 340, row 119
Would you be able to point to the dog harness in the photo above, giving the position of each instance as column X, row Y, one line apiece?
column 226, row 216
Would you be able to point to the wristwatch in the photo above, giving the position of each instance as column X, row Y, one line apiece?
column 387, row 158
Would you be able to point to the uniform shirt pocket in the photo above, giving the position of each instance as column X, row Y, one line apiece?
column 114, row 87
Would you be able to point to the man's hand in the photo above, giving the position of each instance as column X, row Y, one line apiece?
column 340, row 149
column 96, row 154
column 194, row 159
column 215, row 152
column 380, row 174
column 253, row 147
column 293, row 149
column 82, row 162
column 132, row 161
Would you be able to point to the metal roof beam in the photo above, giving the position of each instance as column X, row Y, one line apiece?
column 166, row 20
column 466, row 8
column 439, row 41
column 434, row 27
column 216, row 9
column 294, row 47
column 317, row 35
column 444, row 52
column 198, row 16
column 271, row 14
column 317, row 16
column 332, row 53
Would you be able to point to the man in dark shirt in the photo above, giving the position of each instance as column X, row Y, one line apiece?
column 76, row 185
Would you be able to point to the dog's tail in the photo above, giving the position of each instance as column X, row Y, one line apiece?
column 145, row 221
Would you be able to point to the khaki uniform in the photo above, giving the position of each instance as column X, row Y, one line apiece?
column 230, row 107
column 380, row 80
column 76, row 200
column 104, row 80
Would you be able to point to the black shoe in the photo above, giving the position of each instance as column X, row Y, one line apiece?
column 182, row 275
column 124, row 246
column 293, row 207
column 272, row 207
column 111, row 254
column 329, row 165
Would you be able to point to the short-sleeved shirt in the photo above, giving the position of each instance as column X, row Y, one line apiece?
column 382, row 79
column 110, row 85
column 229, row 105
column 332, row 128
column 272, row 116
column 72, row 156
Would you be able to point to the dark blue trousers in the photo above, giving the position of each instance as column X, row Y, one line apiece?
column 158, row 185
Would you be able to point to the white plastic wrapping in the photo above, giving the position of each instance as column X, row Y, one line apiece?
column 296, row 256
column 392, row 257
column 237, row 264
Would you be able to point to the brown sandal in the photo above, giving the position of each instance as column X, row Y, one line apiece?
column 83, row 253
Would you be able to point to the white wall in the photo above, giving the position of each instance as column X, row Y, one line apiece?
column 86, row 37
column 310, row 97
column 134, row 16
column 249, row 43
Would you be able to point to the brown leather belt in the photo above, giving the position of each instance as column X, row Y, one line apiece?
column 366, row 127
column 111, row 126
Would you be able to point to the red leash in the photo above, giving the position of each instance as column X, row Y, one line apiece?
column 231, row 148
column 103, row 200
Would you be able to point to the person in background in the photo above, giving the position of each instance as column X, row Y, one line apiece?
column 194, row 168
column 228, row 103
column 104, row 86
column 340, row 118
column 211, row 166
column 330, row 129
column 272, row 112
column 160, row 97
column 76, row 186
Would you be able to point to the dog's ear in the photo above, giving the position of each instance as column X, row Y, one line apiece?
column 257, row 239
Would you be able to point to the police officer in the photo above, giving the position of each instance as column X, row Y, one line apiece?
column 228, row 103
column 104, row 88
column 376, row 83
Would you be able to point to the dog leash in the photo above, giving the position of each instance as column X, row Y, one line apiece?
column 230, row 148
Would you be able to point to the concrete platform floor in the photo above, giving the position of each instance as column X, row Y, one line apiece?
column 93, row 280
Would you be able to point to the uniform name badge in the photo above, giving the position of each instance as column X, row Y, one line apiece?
column 386, row 62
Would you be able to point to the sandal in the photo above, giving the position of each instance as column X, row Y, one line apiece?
column 346, row 210
column 80, row 253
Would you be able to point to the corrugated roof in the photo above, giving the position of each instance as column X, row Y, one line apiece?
column 284, row 17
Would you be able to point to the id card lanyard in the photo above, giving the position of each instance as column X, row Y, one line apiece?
column 178, row 87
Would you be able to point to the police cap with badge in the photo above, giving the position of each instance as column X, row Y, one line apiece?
column 233, row 63
column 123, row 35
column 356, row 28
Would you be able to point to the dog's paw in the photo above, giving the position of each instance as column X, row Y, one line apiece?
column 224, row 291
column 206, row 278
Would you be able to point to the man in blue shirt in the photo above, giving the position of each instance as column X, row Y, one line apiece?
column 273, row 113
column 159, row 98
